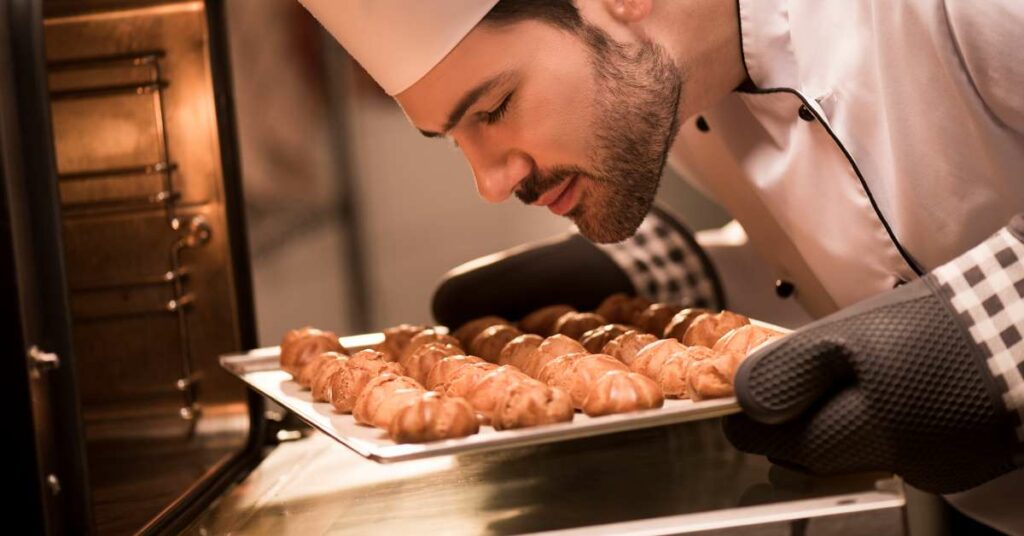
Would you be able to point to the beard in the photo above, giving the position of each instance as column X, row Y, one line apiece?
column 635, row 121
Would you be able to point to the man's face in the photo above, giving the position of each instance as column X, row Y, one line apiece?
column 569, row 120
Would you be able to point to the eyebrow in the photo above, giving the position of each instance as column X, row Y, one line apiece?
column 466, row 102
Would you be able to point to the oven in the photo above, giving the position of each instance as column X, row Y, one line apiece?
column 125, row 261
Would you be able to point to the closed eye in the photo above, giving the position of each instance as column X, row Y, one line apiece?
column 496, row 114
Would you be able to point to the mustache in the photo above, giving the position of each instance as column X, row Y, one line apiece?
column 531, row 188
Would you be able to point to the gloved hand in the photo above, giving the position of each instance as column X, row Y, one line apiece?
column 912, row 382
column 661, row 262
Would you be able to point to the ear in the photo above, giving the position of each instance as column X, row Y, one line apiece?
column 628, row 11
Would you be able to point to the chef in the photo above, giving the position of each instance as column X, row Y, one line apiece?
column 871, row 152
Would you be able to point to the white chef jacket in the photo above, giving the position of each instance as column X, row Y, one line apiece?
column 878, row 140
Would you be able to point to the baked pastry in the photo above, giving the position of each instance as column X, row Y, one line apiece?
column 489, row 342
column 303, row 345
column 321, row 386
column 654, row 318
column 625, row 346
column 559, row 371
column 585, row 373
column 517, row 351
column 668, row 363
column 346, row 384
column 432, row 417
column 674, row 373
column 595, row 339
column 574, row 325
column 552, row 347
column 425, row 337
column 468, row 331
column 465, row 378
column 396, row 338
column 542, row 321
column 707, row 328
column 650, row 358
column 745, row 339
column 677, row 327
column 621, row 308
column 309, row 370
column 531, row 403
column 419, row 363
column 485, row 393
column 368, row 357
column 443, row 370
column 385, row 392
column 712, row 378
column 619, row 392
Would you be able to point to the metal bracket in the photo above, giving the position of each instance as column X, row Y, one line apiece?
column 40, row 361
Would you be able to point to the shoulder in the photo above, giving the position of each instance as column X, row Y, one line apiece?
column 987, row 35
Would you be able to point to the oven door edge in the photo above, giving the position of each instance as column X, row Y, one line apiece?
column 37, row 342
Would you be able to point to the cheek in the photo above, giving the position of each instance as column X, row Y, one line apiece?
column 557, row 122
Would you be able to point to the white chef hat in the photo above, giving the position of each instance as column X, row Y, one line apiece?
column 398, row 41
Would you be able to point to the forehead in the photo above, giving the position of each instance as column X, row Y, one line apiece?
column 485, row 52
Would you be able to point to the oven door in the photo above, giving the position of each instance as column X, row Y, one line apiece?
column 124, row 260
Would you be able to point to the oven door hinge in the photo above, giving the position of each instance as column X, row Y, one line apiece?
column 40, row 361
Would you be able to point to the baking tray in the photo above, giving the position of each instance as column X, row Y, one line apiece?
column 260, row 370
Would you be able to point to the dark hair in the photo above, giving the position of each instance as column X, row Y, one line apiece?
column 561, row 13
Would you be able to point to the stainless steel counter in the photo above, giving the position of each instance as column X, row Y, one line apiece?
column 670, row 480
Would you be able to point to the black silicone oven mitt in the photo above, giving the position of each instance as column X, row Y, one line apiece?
column 895, row 383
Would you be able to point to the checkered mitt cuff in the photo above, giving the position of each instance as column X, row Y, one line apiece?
column 985, row 286
column 665, row 264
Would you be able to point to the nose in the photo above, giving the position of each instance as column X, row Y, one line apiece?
column 497, row 172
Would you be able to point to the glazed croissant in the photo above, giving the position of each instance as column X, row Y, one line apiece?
column 320, row 386
column 396, row 339
column 531, row 403
column 420, row 361
column 595, row 339
column 468, row 331
column 542, row 321
column 745, row 339
column 348, row 383
column 622, row 308
column 465, row 378
column 424, row 338
column 489, row 342
column 626, row 346
column 552, row 347
column 620, row 392
column 440, row 375
column 712, row 378
column 574, row 324
column 518, row 350
column 676, row 328
column 707, row 328
column 666, row 362
column 383, row 397
column 576, row 374
column 300, row 346
column 655, row 317
column 483, row 395
column 432, row 417
column 312, row 367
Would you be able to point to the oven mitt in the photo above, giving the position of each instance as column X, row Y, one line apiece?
column 661, row 262
column 923, row 381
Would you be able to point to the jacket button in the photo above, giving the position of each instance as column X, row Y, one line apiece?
column 702, row 124
column 805, row 113
column 784, row 289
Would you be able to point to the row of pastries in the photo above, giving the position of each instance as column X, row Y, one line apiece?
column 421, row 384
